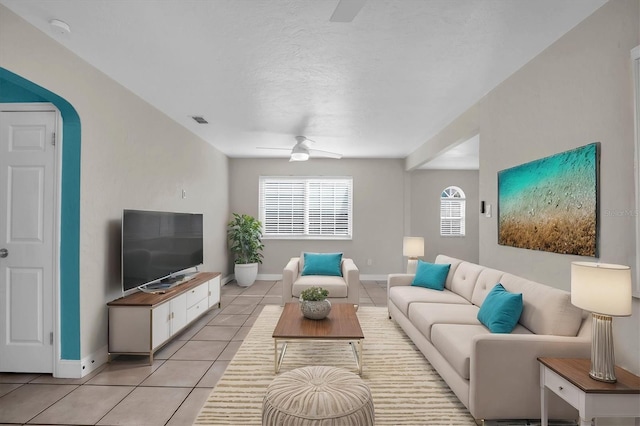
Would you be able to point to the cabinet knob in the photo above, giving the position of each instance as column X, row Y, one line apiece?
column 560, row 388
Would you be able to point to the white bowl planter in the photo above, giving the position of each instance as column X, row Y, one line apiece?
column 245, row 273
column 315, row 309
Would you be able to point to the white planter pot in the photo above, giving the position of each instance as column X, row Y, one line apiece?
column 246, row 273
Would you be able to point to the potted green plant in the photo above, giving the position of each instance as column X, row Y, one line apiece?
column 245, row 242
column 314, row 303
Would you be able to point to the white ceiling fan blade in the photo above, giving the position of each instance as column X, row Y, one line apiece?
column 346, row 10
column 326, row 154
column 270, row 147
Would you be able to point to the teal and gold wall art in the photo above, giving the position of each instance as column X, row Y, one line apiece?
column 551, row 204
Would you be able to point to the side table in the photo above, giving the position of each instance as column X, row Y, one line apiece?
column 569, row 379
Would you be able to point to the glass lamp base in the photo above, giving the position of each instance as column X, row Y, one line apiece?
column 412, row 265
column 602, row 357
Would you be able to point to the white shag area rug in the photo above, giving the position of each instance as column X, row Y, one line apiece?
column 406, row 390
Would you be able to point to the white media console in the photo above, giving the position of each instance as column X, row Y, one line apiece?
column 141, row 323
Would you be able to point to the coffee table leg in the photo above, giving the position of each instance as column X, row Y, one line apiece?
column 275, row 356
column 278, row 359
column 357, row 354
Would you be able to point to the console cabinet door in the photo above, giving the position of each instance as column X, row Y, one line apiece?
column 178, row 313
column 160, row 324
column 214, row 291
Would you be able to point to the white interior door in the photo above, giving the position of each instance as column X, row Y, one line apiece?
column 27, row 192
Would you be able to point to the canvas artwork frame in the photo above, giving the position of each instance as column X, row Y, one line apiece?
column 635, row 62
column 551, row 204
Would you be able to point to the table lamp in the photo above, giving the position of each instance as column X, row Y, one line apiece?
column 604, row 290
column 412, row 247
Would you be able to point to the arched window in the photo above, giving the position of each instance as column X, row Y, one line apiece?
column 452, row 208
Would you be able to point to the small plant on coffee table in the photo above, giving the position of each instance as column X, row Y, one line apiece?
column 314, row 294
column 314, row 303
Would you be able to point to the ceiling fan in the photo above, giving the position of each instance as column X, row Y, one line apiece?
column 301, row 150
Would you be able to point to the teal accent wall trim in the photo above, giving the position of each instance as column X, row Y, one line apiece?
column 14, row 88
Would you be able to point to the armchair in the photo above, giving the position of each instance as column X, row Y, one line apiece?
column 344, row 289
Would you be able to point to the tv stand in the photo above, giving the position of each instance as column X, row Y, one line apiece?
column 143, row 322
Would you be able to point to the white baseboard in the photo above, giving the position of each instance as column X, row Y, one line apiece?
column 76, row 369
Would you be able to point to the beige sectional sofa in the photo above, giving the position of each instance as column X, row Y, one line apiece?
column 496, row 376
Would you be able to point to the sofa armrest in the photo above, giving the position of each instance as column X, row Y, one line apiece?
column 501, row 363
column 351, row 275
column 398, row 279
column 289, row 275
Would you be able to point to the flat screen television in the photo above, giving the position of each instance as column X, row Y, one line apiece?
column 158, row 246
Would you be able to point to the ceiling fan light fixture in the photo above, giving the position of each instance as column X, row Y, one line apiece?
column 299, row 156
column 299, row 153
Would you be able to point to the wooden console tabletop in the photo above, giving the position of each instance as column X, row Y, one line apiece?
column 152, row 299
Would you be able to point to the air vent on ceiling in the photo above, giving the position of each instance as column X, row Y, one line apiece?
column 199, row 119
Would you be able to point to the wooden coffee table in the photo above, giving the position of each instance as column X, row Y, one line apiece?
column 340, row 325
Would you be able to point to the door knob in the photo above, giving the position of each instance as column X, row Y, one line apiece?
column 4, row 253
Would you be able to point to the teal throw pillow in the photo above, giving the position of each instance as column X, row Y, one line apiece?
column 500, row 310
column 322, row 264
column 431, row 275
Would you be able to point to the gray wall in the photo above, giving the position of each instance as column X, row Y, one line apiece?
column 133, row 156
column 378, row 209
column 577, row 91
column 426, row 187
column 388, row 203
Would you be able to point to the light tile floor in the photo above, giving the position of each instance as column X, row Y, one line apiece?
column 128, row 391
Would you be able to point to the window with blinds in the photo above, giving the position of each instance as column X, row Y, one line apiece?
column 452, row 212
column 306, row 207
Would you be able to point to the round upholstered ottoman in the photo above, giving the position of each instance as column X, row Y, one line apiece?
column 318, row 396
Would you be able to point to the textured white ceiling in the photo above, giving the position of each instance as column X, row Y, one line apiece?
column 264, row 71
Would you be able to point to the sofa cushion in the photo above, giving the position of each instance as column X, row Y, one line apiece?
column 322, row 264
column 441, row 258
column 500, row 310
column 336, row 285
column 431, row 275
column 487, row 279
column 403, row 295
column 545, row 310
column 464, row 279
column 425, row 315
column 455, row 343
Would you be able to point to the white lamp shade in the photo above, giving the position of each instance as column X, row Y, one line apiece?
column 602, row 288
column 413, row 246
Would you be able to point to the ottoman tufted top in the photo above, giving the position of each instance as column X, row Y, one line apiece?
column 319, row 392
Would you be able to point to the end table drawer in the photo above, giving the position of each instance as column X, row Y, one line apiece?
column 562, row 388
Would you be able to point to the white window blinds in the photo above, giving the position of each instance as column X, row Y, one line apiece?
column 306, row 207
column 452, row 212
